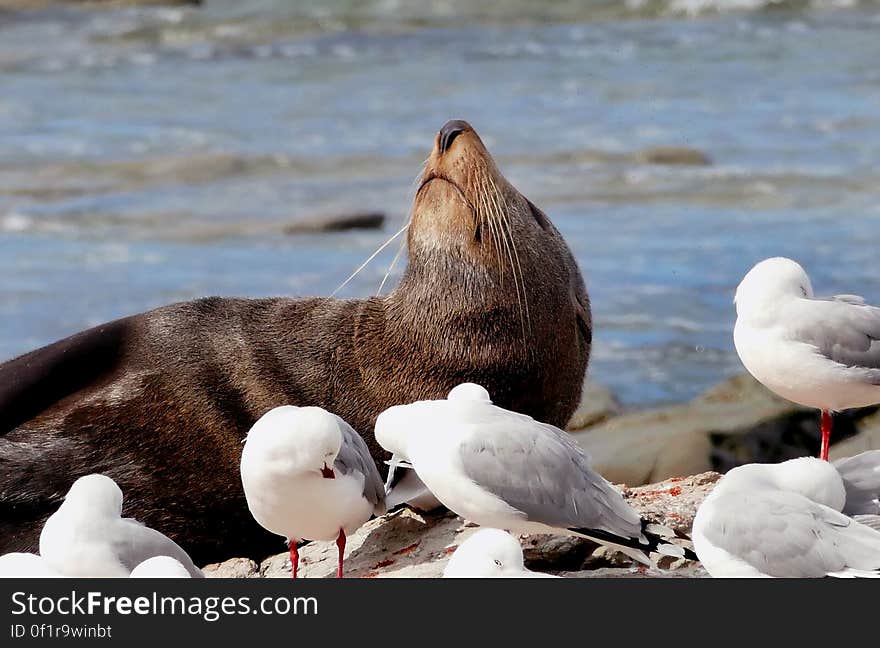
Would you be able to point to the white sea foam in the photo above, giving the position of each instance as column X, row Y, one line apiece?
column 16, row 222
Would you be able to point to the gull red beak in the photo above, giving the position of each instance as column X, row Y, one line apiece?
column 327, row 473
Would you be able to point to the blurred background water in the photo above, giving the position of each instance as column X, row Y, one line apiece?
column 150, row 155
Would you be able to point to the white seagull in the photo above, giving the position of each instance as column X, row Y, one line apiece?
column 160, row 567
column 861, row 479
column 307, row 475
column 25, row 565
column 506, row 470
column 87, row 536
column 490, row 553
column 821, row 353
column 783, row 520
column 403, row 486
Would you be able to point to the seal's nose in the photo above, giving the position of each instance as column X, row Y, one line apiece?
column 451, row 129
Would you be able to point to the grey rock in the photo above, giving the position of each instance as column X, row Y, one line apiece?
column 337, row 223
column 738, row 421
column 867, row 437
column 108, row 4
column 673, row 155
column 693, row 570
column 232, row 568
column 597, row 404
column 407, row 544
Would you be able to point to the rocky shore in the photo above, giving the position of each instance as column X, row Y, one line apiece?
column 407, row 544
column 735, row 422
column 109, row 4
column 666, row 462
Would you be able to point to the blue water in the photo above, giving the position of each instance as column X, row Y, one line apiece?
column 155, row 155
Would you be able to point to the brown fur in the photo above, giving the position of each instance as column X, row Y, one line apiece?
column 164, row 410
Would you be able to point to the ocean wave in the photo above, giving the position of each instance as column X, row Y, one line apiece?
column 88, row 38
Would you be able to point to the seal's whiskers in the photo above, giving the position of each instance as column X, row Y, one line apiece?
column 391, row 267
column 486, row 216
column 501, row 209
column 370, row 258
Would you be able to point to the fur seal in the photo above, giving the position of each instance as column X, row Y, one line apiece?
column 161, row 401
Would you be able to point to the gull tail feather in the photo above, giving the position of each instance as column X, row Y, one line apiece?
column 855, row 573
column 872, row 521
column 653, row 540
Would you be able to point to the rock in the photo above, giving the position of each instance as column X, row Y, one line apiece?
column 337, row 223
column 673, row 502
column 233, row 568
column 692, row 570
column 596, row 405
column 108, row 4
column 867, row 438
column 400, row 544
column 406, row 544
column 673, row 155
column 736, row 422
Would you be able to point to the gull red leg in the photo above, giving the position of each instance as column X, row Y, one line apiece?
column 826, row 434
column 294, row 559
column 340, row 542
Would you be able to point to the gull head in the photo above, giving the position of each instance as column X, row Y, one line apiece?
column 395, row 425
column 398, row 425
column 293, row 440
column 97, row 494
column 160, row 567
column 769, row 281
column 469, row 392
column 488, row 553
column 813, row 478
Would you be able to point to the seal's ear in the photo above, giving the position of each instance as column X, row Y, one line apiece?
column 582, row 315
column 539, row 216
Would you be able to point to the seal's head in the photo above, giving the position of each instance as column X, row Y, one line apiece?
column 470, row 227
column 491, row 293
column 464, row 206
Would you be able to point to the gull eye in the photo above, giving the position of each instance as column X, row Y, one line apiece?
column 804, row 291
column 498, row 562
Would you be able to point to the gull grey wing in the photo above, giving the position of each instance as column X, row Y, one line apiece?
column 539, row 470
column 842, row 331
column 786, row 535
column 857, row 300
column 405, row 487
column 872, row 521
column 354, row 455
column 135, row 543
column 861, row 479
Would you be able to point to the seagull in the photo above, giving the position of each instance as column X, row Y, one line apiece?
column 87, row 536
column 490, row 553
column 506, row 470
column 25, row 565
column 307, row 475
column 820, row 353
column 403, row 486
column 861, row 480
column 160, row 567
column 783, row 520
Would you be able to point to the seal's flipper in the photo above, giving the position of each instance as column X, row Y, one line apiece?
column 31, row 383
